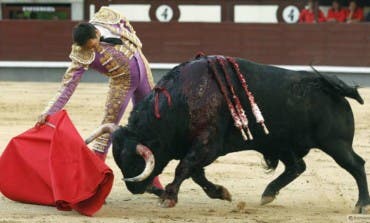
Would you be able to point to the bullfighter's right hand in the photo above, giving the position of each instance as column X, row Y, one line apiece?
column 41, row 119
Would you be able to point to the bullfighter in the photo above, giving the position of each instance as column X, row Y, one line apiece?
column 109, row 45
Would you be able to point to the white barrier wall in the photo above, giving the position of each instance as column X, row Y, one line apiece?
column 255, row 13
column 200, row 13
column 137, row 13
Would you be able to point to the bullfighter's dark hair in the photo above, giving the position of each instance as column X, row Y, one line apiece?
column 82, row 32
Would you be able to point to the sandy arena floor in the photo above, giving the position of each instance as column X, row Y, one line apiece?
column 324, row 193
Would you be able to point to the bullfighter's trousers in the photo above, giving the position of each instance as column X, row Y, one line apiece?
column 135, row 85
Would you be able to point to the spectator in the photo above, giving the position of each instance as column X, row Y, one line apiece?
column 20, row 15
column 336, row 13
column 311, row 14
column 367, row 17
column 33, row 15
column 355, row 13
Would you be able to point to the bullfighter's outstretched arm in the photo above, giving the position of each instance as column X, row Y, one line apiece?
column 69, row 83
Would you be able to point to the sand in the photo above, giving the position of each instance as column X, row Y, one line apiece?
column 324, row 193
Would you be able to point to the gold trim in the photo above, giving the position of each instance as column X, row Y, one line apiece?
column 128, row 52
column 118, row 75
column 118, row 90
column 107, row 15
column 67, row 78
column 113, row 69
column 106, row 62
column 123, row 33
column 81, row 55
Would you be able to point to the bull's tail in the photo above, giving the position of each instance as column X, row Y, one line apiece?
column 339, row 87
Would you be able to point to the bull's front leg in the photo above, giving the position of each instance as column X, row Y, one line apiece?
column 199, row 156
column 182, row 172
column 212, row 190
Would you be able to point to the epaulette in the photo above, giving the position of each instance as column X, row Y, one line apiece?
column 83, row 56
column 107, row 15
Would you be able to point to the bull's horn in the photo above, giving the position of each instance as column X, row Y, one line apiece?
column 149, row 163
column 105, row 128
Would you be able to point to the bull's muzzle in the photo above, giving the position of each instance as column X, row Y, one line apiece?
column 148, row 156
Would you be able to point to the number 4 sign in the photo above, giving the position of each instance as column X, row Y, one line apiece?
column 291, row 14
column 164, row 13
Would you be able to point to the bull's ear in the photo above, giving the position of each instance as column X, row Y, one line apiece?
column 119, row 135
column 123, row 141
column 126, row 133
column 118, row 142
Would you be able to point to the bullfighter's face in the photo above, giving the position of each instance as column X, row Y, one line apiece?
column 127, row 159
column 93, row 43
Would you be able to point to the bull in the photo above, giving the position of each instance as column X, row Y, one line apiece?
column 188, row 119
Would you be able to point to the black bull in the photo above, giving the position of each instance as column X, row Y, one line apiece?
column 302, row 110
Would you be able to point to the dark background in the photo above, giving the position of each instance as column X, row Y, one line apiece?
column 361, row 3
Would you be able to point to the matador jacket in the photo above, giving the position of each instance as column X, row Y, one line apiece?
column 124, row 64
column 110, row 60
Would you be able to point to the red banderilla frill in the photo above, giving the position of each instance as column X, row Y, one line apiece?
column 239, row 109
column 234, row 114
column 156, row 100
column 255, row 109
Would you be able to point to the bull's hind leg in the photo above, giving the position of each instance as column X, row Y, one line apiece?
column 212, row 190
column 342, row 152
column 294, row 167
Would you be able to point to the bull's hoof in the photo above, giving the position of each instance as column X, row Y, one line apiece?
column 362, row 209
column 218, row 192
column 226, row 194
column 267, row 199
column 167, row 203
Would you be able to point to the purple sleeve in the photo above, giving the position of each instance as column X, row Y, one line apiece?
column 69, row 83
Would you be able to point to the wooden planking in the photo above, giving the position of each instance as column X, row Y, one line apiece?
column 31, row 40
column 295, row 44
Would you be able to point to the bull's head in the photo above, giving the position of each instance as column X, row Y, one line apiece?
column 135, row 160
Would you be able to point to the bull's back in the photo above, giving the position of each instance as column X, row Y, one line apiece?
column 298, row 107
column 295, row 105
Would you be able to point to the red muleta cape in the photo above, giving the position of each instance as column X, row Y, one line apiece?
column 51, row 165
